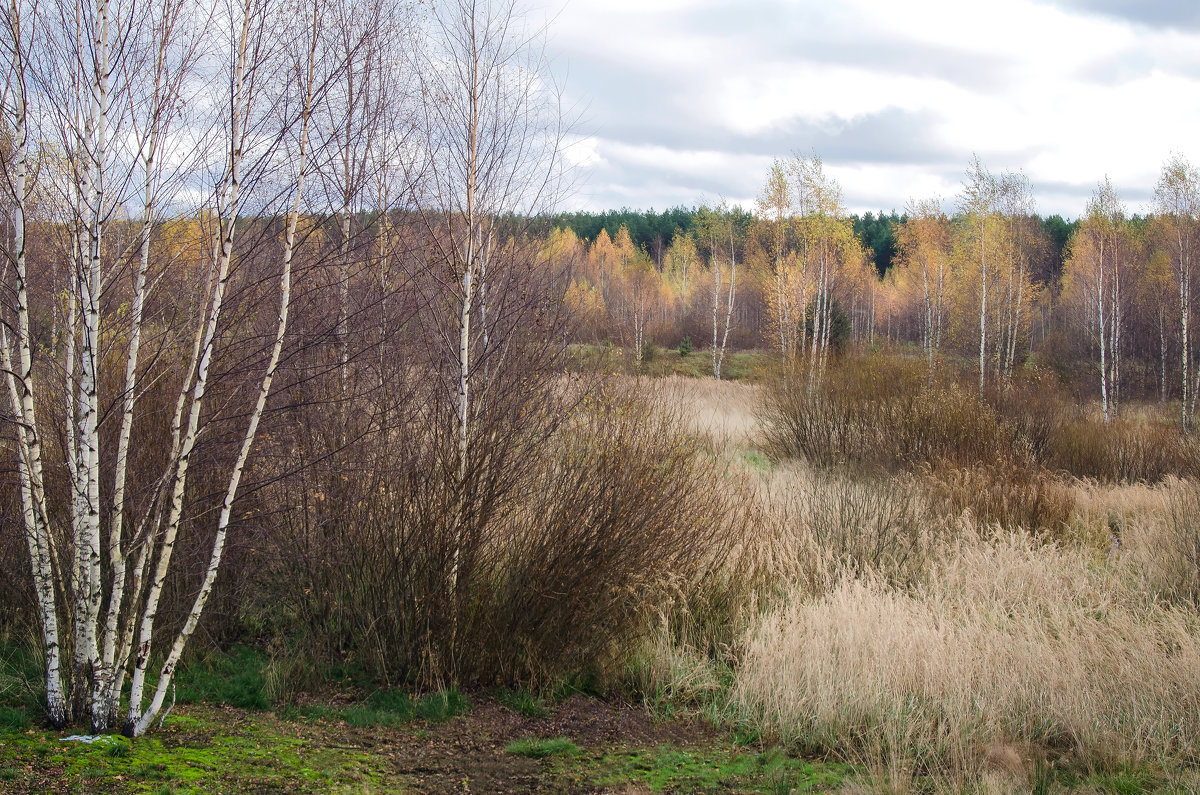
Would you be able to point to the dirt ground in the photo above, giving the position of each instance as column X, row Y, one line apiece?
column 467, row 753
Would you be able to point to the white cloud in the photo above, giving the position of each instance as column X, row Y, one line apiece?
column 1066, row 95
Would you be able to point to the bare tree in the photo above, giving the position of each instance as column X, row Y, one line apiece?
column 1177, row 195
column 979, row 204
column 494, row 129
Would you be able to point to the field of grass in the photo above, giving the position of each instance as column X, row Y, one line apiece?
column 970, row 625
column 751, row 366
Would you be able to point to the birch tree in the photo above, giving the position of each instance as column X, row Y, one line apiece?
column 720, row 230
column 775, row 208
column 978, row 203
column 1093, row 270
column 678, row 266
column 827, row 242
column 118, row 85
column 924, row 246
column 1177, row 197
column 20, row 23
column 1016, row 248
column 494, row 130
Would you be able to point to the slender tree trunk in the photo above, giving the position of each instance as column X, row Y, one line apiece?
column 139, row 724
column 229, row 197
column 39, row 540
column 1102, row 334
column 1162, row 348
column 982, row 304
column 716, row 304
column 729, row 301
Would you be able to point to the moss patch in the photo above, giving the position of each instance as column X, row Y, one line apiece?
column 250, row 751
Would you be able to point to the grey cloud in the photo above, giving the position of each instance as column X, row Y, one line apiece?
column 1177, row 14
column 630, row 107
column 1137, row 199
column 796, row 32
column 639, row 104
column 1120, row 68
column 891, row 136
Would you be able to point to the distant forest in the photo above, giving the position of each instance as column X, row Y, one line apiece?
column 652, row 231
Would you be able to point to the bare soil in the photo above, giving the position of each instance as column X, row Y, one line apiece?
column 467, row 753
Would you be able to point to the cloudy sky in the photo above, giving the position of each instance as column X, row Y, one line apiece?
column 689, row 101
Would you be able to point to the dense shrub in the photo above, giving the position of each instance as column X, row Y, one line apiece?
column 883, row 412
column 891, row 412
column 543, row 564
column 1124, row 450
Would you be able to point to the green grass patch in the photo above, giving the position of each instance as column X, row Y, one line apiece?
column 1127, row 781
column 118, row 748
column 756, row 461
column 715, row 770
column 396, row 701
column 209, row 753
column 235, row 678
column 392, row 708
column 541, row 748
column 14, row 719
column 749, row 365
column 442, row 705
column 524, row 702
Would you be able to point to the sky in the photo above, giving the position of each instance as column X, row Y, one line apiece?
column 683, row 102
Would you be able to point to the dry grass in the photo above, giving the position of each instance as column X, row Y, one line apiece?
column 1010, row 641
column 952, row 629
column 723, row 412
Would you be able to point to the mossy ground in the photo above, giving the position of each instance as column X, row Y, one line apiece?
column 714, row 769
column 200, row 749
column 581, row 745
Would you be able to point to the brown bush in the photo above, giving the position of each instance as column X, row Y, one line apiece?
column 1123, row 451
column 568, row 535
column 882, row 411
column 890, row 412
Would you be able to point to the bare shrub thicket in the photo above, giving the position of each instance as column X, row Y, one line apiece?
column 1125, row 450
column 584, row 515
column 885, row 412
column 890, row 412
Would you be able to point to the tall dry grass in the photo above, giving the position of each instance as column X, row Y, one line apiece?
column 1009, row 641
column 975, row 625
column 724, row 413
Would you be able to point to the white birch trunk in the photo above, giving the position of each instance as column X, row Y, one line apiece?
column 1102, row 333
column 20, row 387
column 137, row 724
column 227, row 217
column 729, row 300
column 982, row 303
column 716, row 308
